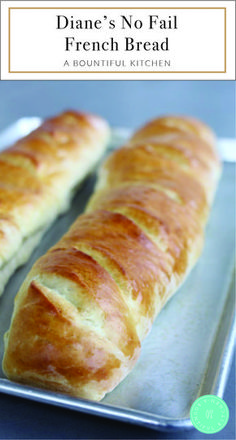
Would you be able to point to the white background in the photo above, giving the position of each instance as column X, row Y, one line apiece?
column 196, row 47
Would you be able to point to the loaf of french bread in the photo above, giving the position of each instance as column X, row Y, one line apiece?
column 38, row 175
column 87, row 304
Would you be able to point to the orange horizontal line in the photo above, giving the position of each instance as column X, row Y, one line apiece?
column 121, row 7
column 114, row 71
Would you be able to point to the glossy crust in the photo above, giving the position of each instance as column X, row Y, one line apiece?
column 39, row 172
column 87, row 304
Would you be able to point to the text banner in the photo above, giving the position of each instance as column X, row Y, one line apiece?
column 84, row 40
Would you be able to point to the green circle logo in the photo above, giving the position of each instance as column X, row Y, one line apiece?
column 209, row 414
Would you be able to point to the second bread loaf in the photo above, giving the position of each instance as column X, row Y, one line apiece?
column 37, row 177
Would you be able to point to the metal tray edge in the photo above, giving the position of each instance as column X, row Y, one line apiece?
column 94, row 408
column 226, row 338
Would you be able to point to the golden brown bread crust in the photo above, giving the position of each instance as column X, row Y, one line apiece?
column 86, row 305
column 38, row 173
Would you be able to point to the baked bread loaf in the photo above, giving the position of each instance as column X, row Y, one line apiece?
column 87, row 304
column 37, row 177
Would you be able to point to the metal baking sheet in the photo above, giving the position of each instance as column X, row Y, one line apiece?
column 189, row 350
